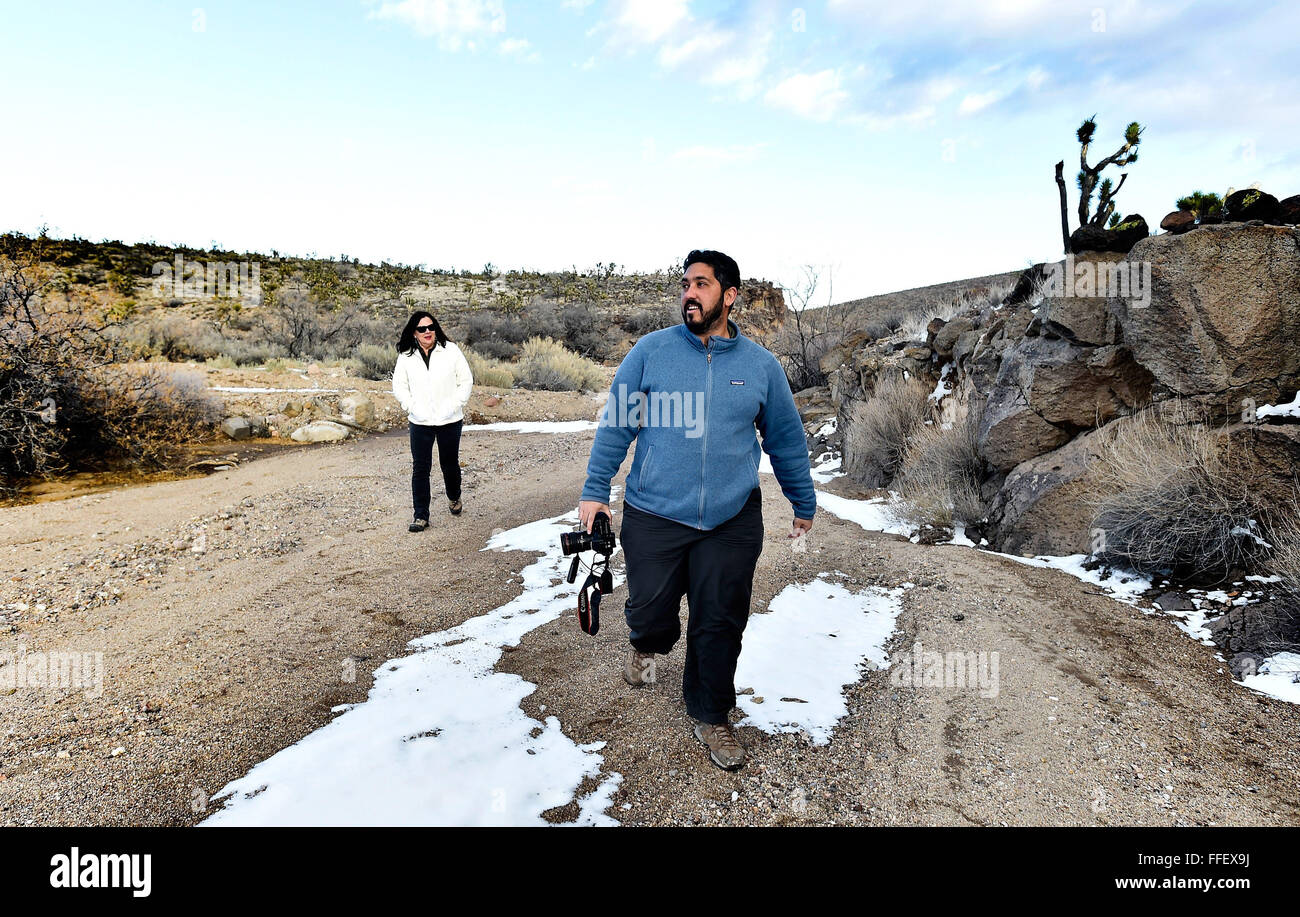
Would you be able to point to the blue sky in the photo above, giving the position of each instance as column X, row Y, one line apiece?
column 888, row 144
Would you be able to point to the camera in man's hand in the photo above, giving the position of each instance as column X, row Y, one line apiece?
column 599, row 581
column 600, row 539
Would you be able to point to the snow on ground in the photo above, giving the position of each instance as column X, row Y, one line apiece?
column 1278, row 676
column 826, row 469
column 1121, row 585
column 441, row 739
column 1280, row 410
column 942, row 387
column 827, row 428
column 874, row 515
column 535, row 426
column 813, row 641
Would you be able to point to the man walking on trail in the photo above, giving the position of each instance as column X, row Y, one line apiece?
column 693, row 395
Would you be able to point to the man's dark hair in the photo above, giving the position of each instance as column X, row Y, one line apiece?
column 724, row 266
column 406, row 342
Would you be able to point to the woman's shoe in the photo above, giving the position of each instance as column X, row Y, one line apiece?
column 454, row 506
column 418, row 525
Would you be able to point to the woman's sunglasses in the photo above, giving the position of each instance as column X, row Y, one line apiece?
column 424, row 329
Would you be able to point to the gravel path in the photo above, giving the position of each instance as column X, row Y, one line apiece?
column 230, row 611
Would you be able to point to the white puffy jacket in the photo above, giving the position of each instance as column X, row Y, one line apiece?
column 436, row 394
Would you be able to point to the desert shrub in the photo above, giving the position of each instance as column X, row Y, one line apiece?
column 584, row 331
column 488, row 371
column 303, row 328
column 879, row 430
column 939, row 476
column 138, row 414
column 1170, row 505
column 547, row 364
column 249, row 353
column 643, row 321
column 174, row 338
column 373, row 361
column 493, row 335
column 221, row 362
column 63, row 404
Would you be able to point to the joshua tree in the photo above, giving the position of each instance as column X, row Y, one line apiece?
column 1088, row 175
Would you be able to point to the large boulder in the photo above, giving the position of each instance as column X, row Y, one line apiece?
column 1222, row 322
column 1131, row 230
column 1043, row 506
column 1265, row 458
column 1012, row 432
column 1179, row 221
column 357, row 408
column 1288, row 209
column 320, row 431
column 1251, row 204
column 237, row 428
column 1048, row 389
column 946, row 337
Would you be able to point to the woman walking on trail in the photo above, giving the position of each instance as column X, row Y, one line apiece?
column 432, row 382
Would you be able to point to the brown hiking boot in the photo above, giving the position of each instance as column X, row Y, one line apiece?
column 725, row 749
column 639, row 668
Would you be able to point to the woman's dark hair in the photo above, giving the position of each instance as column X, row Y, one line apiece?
column 406, row 343
column 724, row 267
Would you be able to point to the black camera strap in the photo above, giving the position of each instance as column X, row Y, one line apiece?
column 593, row 588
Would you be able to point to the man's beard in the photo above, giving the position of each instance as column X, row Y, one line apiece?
column 706, row 319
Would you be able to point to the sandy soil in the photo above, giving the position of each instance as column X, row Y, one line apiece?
column 227, row 608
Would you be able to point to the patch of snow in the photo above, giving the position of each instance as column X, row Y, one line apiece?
column 1122, row 585
column 441, row 738
column 942, row 387
column 1280, row 410
column 827, row 428
column 1278, row 676
column 813, row 641
column 875, row 515
column 959, row 536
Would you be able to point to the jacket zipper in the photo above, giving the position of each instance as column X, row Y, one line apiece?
column 704, row 455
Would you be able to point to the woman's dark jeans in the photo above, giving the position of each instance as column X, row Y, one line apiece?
column 422, row 439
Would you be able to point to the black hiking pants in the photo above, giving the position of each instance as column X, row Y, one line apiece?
column 715, row 571
column 447, row 436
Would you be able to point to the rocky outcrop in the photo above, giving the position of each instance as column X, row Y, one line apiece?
column 1190, row 327
column 1222, row 322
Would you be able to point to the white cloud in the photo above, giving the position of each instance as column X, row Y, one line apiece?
column 454, row 23
column 649, row 21
column 818, row 96
column 518, row 47
column 978, row 101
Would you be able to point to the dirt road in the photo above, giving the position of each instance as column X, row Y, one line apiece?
column 229, row 611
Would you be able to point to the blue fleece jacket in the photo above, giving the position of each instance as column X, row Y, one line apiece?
column 693, row 411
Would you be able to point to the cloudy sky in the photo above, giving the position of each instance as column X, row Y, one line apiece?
column 889, row 144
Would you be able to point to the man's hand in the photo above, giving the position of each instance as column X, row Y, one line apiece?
column 587, row 510
column 801, row 527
